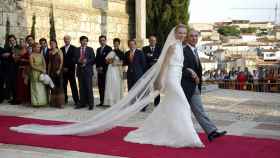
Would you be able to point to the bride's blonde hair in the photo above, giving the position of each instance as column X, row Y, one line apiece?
column 180, row 26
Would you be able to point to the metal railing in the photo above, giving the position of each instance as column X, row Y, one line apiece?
column 272, row 86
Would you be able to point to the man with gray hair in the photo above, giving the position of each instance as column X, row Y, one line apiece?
column 191, row 84
column 69, row 69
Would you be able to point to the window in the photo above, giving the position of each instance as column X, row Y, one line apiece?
column 100, row 4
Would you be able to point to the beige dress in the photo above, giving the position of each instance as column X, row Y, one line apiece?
column 38, row 89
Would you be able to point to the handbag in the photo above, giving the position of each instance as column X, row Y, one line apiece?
column 46, row 80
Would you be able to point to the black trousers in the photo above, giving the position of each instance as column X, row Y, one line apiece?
column 2, row 93
column 70, row 76
column 130, row 82
column 101, row 79
column 9, row 81
column 85, row 89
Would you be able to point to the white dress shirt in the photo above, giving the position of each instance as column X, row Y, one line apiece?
column 67, row 48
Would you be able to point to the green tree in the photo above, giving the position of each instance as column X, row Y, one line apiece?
column 163, row 15
column 229, row 31
column 7, row 32
column 130, row 9
column 249, row 30
column 52, row 24
column 33, row 28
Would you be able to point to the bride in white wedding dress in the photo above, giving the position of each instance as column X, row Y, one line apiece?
column 170, row 124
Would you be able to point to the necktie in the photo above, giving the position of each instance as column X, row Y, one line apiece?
column 84, row 52
column 45, row 52
column 101, row 50
column 153, row 49
column 82, row 56
column 30, row 50
column 131, row 55
column 66, row 49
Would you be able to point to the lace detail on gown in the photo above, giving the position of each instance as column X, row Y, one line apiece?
column 170, row 124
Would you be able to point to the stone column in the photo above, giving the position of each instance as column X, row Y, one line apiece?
column 140, row 9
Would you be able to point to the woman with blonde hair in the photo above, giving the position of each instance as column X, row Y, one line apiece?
column 37, row 68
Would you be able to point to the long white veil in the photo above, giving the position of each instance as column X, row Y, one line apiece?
column 138, row 97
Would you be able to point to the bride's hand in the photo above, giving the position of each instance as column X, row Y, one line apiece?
column 158, row 86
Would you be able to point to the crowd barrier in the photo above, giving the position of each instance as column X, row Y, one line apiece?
column 272, row 86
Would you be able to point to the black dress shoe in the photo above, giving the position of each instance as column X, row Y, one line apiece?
column 80, row 106
column 90, row 108
column 77, row 104
column 106, row 106
column 143, row 110
column 13, row 102
column 215, row 135
column 99, row 105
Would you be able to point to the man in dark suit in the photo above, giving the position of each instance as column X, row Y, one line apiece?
column 152, row 53
column 101, row 66
column 2, row 96
column 136, row 62
column 191, row 84
column 45, row 51
column 10, row 67
column 30, row 41
column 85, row 60
column 68, row 51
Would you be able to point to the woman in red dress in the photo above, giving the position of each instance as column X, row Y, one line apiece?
column 23, row 92
column 241, row 79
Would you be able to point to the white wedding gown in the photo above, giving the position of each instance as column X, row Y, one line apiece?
column 114, row 83
column 170, row 123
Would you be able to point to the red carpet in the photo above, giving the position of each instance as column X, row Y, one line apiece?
column 111, row 143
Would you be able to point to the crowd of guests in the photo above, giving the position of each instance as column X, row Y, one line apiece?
column 261, row 79
column 38, row 73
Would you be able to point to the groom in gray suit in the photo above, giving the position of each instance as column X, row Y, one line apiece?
column 191, row 84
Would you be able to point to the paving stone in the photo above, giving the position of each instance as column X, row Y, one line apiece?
column 262, row 136
column 268, row 127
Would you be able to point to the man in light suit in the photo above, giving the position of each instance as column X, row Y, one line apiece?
column 191, row 84
column 85, row 60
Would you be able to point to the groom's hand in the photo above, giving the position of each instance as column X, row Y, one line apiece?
column 194, row 75
column 196, row 80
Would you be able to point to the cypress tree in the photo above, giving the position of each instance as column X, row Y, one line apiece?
column 163, row 15
column 7, row 32
column 33, row 26
column 52, row 24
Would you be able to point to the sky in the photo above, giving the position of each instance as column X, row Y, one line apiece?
column 222, row 10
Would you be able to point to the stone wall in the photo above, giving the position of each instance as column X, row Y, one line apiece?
column 72, row 17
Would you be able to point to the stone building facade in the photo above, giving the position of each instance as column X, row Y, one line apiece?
column 113, row 18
